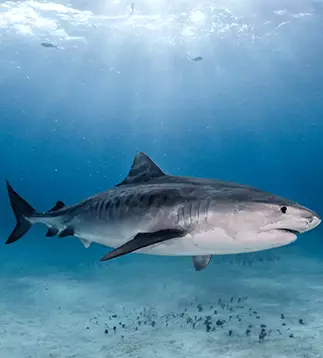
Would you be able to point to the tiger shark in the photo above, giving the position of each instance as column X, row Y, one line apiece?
column 155, row 213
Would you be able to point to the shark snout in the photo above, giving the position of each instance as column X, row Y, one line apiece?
column 312, row 222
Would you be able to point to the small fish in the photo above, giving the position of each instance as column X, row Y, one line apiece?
column 198, row 58
column 49, row 45
column 160, row 214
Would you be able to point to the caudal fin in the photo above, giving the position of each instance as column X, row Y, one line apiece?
column 22, row 211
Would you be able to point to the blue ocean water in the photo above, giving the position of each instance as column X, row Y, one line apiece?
column 73, row 118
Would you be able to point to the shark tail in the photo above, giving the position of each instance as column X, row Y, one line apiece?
column 22, row 211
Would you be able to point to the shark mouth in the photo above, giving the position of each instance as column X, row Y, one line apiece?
column 295, row 232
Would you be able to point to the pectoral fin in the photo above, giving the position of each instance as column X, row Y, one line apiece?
column 142, row 240
column 200, row 262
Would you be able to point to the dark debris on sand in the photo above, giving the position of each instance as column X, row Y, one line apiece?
column 232, row 317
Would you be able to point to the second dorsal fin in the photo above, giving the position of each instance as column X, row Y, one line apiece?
column 143, row 169
column 59, row 205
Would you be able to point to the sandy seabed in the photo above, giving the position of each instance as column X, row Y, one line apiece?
column 264, row 305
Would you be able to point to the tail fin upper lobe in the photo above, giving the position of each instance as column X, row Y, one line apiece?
column 22, row 210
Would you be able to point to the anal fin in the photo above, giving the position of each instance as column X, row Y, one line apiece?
column 142, row 240
column 52, row 231
column 200, row 262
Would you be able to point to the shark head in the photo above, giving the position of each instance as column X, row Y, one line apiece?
column 273, row 221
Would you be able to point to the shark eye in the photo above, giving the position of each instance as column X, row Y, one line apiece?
column 283, row 209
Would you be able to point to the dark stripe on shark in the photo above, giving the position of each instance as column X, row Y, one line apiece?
column 142, row 240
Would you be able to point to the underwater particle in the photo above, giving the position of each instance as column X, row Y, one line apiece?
column 258, row 317
column 114, row 316
column 219, row 322
column 208, row 328
column 282, row 316
column 263, row 326
column 250, row 326
column 153, row 323
column 122, row 337
column 291, row 335
column 123, row 325
column 87, row 327
column 283, row 324
column 248, row 331
column 106, row 331
column 115, row 329
column 200, row 307
column 301, row 321
column 215, row 312
column 230, row 332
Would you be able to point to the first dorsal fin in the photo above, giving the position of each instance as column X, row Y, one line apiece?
column 59, row 205
column 142, row 170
